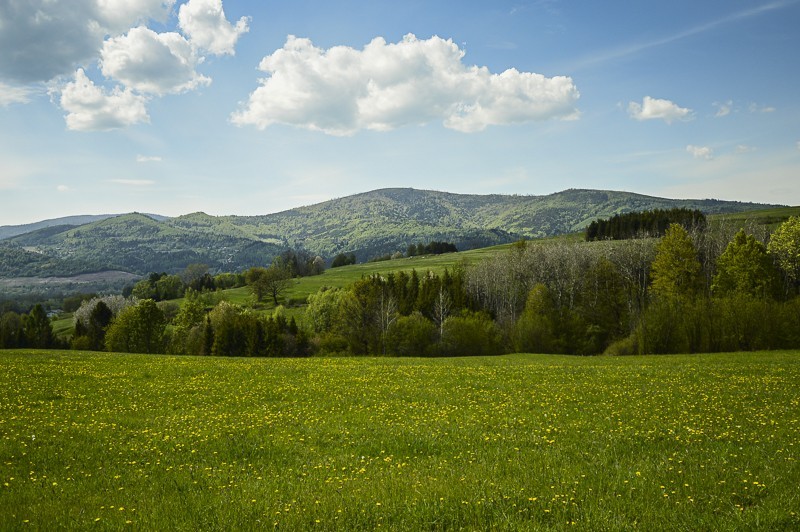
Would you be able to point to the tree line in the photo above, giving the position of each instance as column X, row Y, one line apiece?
column 652, row 223
column 699, row 290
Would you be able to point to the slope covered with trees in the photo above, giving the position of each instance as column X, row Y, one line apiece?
column 365, row 225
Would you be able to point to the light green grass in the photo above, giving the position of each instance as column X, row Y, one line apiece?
column 522, row 442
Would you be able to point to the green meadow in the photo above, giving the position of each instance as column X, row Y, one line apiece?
column 519, row 442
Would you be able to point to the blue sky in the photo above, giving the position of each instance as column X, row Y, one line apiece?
column 233, row 107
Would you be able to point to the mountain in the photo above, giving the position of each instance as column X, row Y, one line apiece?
column 8, row 231
column 368, row 224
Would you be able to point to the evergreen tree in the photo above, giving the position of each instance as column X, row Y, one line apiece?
column 38, row 329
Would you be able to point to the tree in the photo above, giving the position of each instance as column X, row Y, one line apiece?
column 343, row 259
column 470, row 334
column 411, row 336
column 441, row 308
column 11, row 331
column 193, row 272
column 38, row 329
column 272, row 282
column 676, row 270
column 186, row 327
column 784, row 245
column 535, row 331
column 745, row 268
column 137, row 329
column 99, row 321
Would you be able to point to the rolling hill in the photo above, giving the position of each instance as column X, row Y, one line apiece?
column 368, row 224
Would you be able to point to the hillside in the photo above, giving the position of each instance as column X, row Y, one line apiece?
column 9, row 231
column 368, row 224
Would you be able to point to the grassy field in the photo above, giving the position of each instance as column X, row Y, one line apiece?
column 522, row 442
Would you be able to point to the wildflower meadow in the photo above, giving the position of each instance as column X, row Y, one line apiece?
column 519, row 442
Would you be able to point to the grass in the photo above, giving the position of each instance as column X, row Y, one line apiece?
column 772, row 217
column 521, row 442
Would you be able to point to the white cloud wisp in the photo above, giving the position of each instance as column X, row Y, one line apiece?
column 700, row 152
column 655, row 109
column 342, row 90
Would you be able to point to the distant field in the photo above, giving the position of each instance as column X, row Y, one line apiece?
column 769, row 217
column 704, row 442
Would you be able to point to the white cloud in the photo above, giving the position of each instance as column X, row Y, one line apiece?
column 10, row 94
column 744, row 148
column 148, row 159
column 756, row 108
column 50, row 38
column 62, row 188
column 700, row 152
column 654, row 108
column 91, row 108
column 157, row 63
column 723, row 109
column 204, row 22
column 343, row 90
column 119, row 15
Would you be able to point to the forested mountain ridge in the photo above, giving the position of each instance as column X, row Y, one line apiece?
column 367, row 224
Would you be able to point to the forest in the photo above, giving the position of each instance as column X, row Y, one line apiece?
column 708, row 288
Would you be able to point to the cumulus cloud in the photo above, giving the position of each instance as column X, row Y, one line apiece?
column 148, row 159
column 62, row 188
column 654, row 108
column 119, row 15
column 50, row 38
column 10, row 94
column 744, row 148
column 156, row 63
column 91, row 108
column 342, row 90
column 204, row 22
column 700, row 152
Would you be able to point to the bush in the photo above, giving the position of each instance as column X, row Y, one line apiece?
column 411, row 336
column 471, row 334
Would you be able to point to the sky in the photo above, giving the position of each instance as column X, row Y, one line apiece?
column 253, row 107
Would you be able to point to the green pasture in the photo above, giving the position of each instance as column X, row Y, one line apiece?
column 294, row 298
column 521, row 442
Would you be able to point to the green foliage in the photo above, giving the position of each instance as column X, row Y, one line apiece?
column 365, row 225
column 647, row 223
column 99, row 320
column 745, row 268
column 784, row 245
column 268, row 282
column 470, row 334
column 411, row 336
column 38, row 329
column 676, row 270
column 12, row 331
column 233, row 331
column 343, row 259
column 431, row 248
column 535, row 331
column 137, row 329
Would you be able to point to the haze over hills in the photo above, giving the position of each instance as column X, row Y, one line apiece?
column 368, row 224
